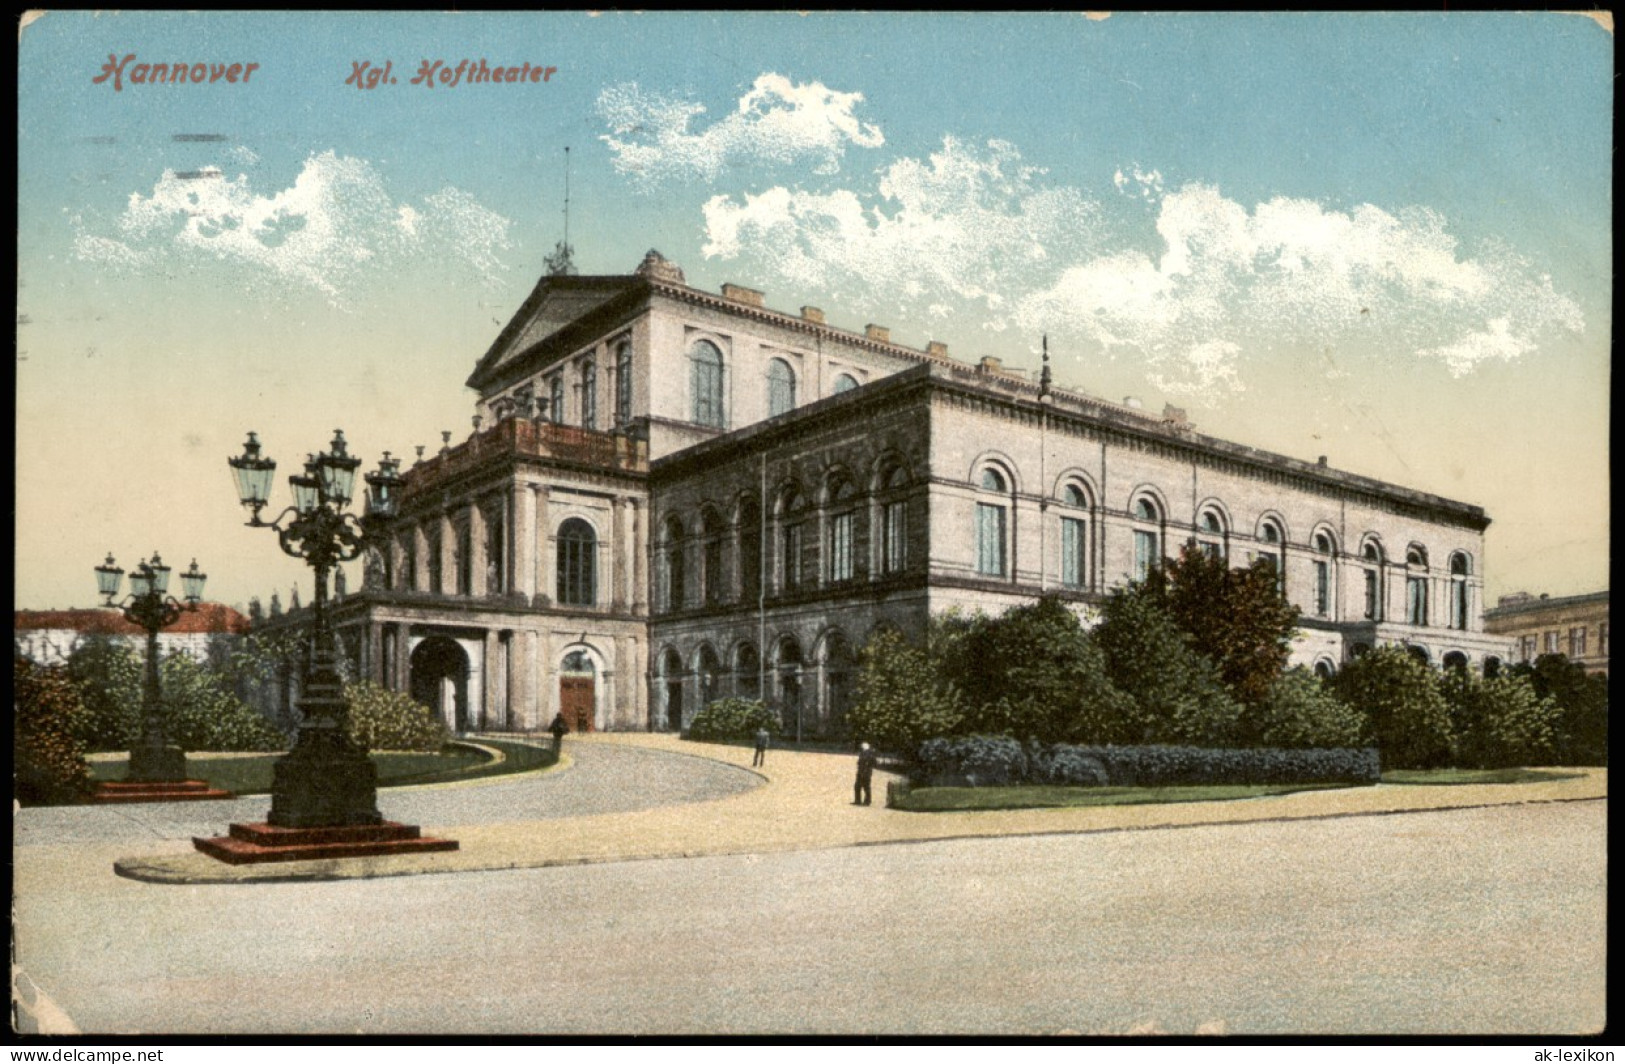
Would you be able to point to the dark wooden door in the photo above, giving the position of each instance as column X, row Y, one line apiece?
column 576, row 701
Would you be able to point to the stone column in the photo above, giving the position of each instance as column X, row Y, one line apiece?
column 476, row 551
column 524, row 541
column 448, row 555
column 403, row 656
column 491, row 712
column 522, row 703
column 640, row 556
column 546, row 681
column 544, row 539
column 420, row 557
column 617, row 553
column 375, row 654
column 397, row 560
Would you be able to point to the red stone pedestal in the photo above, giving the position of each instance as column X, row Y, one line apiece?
column 261, row 843
column 157, row 791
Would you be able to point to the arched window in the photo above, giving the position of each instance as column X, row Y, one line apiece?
column 1210, row 534
column 589, row 394
column 1416, row 586
column 1461, row 567
column 781, row 387
column 750, row 548
column 433, row 556
column 842, row 520
column 577, row 557
column 1324, row 669
column 1325, row 556
column 1147, row 536
column 409, row 561
column 705, row 383
column 792, row 516
column 894, row 521
column 708, row 671
column 578, row 663
column 714, row 530
column 1074, row 537
column 676, row 590
column 1272, row 546
column 845, row 383
column 789, row 679
column 465, row 557
column 748, row 672
column 1371, row 562
column 555, row 399
column 623, row 382
column 992, row 532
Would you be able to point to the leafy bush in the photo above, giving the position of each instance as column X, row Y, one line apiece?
column 49, row 755
column 1184, row 766
column 732, row 718
column 903, row 698
column 1582, row 706
column 971, row 760
column 109, row 677
column 1500, row 723
column 1300, row 712
column 1071, row 766
column 381, row 719
column 1400, row 698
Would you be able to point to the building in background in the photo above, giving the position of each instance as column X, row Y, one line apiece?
column 673, row 495
column 48, row 637
column 1574, row 625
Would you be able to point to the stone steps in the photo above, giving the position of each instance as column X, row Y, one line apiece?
column 260, row 843
column 120, row 792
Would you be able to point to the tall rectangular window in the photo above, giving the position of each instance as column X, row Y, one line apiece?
column 589, row 395
column 713, row 570
column 1416, row 600
column 1458, row 605
column 840, row 547
column 465, row 560
column 750, row 561
column 1577, row 642
column 1074, row 545
column 1145, row 553
column 792, row 555
column 623, row 384
column 1323, row 588
column 893, row 545
column 1551, row 642
column 555, row 400
column 990, row 553
column 1602, row 639
column 1528, row 644
column 1372, row 599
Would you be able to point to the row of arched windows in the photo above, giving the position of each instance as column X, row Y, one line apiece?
column 844, row 535
column 576, row 569
column 582, row 375
column 783, row 680
column 706, row 391
column 995, row 505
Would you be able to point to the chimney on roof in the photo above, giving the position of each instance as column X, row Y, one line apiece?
column 936, row 349
column 878, row 332
column 1173, row 413
column 989, row 364
column 741, row 294
column 812, row 314
column 657, row 267
column 1321, row 461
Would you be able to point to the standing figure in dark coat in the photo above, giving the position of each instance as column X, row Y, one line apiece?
column 761, row 747
column 558, row 728
column 866, row 772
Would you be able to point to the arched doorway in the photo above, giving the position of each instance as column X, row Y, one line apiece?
column 578, row 691
column 789, row 676
column 840, row 664
column 1455, row 660
column 671, row 679
column 440, row 680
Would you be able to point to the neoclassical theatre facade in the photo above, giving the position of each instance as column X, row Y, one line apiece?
column 672, row 496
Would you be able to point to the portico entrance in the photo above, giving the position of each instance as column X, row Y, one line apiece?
column 578, row 691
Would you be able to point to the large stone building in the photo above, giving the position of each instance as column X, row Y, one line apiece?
column 673, row 495
column 1575, row 626
column 49, row 637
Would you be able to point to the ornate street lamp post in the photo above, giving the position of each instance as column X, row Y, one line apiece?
column 153, row 759
column 326, row 780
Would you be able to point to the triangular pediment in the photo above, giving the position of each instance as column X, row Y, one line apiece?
column 554, row 305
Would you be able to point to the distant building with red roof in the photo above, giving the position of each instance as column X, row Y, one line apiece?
column 47, row 637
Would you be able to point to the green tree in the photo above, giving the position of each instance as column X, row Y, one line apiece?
column 1501, row 722
column 1299, row 712
column 1237, row 618
column 733, row 718
column 109, row 676
column 1582, row 705
column 903, row 697
column 1405, row 712
column 1033, row 673
column 48, row 755
column 1177, row 693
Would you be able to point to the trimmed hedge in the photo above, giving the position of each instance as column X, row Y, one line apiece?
column 732, row 718
column 993, row 761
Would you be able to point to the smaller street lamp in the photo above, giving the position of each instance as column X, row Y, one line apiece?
column 153, row 759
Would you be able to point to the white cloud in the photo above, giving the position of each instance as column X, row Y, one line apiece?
column 334, row 223
column 778, row 122
column 966, row 224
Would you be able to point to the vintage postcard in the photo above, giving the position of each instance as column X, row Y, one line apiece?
column 699, row 453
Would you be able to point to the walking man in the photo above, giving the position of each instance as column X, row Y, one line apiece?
column 866, row 772
column 761, row 748
column 558, row 728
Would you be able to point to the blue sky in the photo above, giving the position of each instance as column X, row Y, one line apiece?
column 1382, row 238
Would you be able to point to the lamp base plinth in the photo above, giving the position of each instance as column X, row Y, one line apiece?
column 156, row 764
column 157, row 791
column 325, row 781
column 264, row 843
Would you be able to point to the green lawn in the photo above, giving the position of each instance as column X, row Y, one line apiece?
column 954, row 799
column 1459, row 776
column 251, row 773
